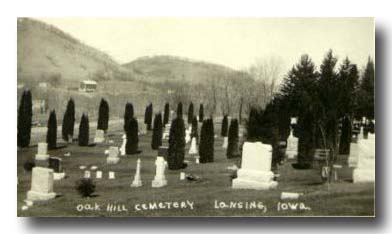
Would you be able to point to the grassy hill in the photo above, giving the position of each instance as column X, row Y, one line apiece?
column 171, row 68
column 45, row 52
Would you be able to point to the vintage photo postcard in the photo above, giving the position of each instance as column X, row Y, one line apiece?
column 195, row 117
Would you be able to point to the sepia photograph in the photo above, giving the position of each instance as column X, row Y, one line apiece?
column 195, row 117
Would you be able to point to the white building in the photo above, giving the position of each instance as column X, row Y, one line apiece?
column 88, row 86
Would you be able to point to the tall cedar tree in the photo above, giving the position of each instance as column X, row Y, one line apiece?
column 254, row 124
column 128, row 114
column 166, row 115
column 206, row 147
column 68, row 121
column 225, row 126
column 232, row 147
column 299, row 92
column 84, row 129
column 25, row 115
column 190, row 113
column 157, row 132
column 51, row 136
column 329, row 90
column 366, row 92
column 176, row 150
column 194, row 132
column 148, row 116
column 201, row 113
column 131, row 147
column 179, row 110
column 103, row 117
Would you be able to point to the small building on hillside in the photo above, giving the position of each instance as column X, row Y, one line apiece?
column 88, row 86
column 39, row 106
column 43, row 85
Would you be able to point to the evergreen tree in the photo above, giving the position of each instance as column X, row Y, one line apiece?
column 194, row 132
column 25, row 115
column 233, row 141
column 201, row 113
column 51, row 136
column 206, row 147
column 148, row 116
column 329, row 90
column 254, row 125
column 176, row 150
column 84, row 128
column 131, row 147
column 348, row 85
column 225, row 126
column 299, row 92
column 179, row 110
column 103, row 117
column 166, row 114
column 128, row 115
column 157, row 132
column 345, row 136
column 366, row 92
column 68, row 121
column 190, row 113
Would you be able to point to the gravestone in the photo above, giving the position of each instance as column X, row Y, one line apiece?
column 255, row 172
column 55, row 164
column 137, row 182
column 42, row 153
column 292, row 146
column 124, row 143
column 41, row 185
column 113, row 155
column 225, row 142
column 98, row 175
column 166, row 133
column 188, row 135
column 112, row 175
column 99, row 136
column 87, row 174
column 159, row 179
column 365, row 171
column 352, row 160
column 193, row 149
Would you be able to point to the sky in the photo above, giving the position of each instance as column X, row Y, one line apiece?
column 234, row 42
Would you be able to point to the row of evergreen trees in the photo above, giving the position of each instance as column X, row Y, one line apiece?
column 320, row 100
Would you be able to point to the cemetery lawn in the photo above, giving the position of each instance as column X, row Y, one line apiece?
column 342, row 198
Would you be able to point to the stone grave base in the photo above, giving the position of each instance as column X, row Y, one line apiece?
column 363, row 175
column 112, row 160
column 58, row 176
column 158, row 183
column 37, row 196
column 42, row 157
column 99, row 140
column 248, row 179
column 291, row 154
column 137, row 183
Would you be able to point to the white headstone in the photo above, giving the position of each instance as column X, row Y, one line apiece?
column 112, row 175
column 124, row 142
column 193, row 149
column 187, row 136
column 137, row 182
column 87, row 174
column 113, row 155
column 354, row 154
column 197, row 160
column 365, row 171
column 99, row 136
column 255, row 172
column 41, row 185
column 159, row 179
column 42, row 153
column 98, row 175
column 292, row 146
column 225, row 142
column 182, row 175
column 293, row 120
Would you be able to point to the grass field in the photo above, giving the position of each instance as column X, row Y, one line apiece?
column 342, row 198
